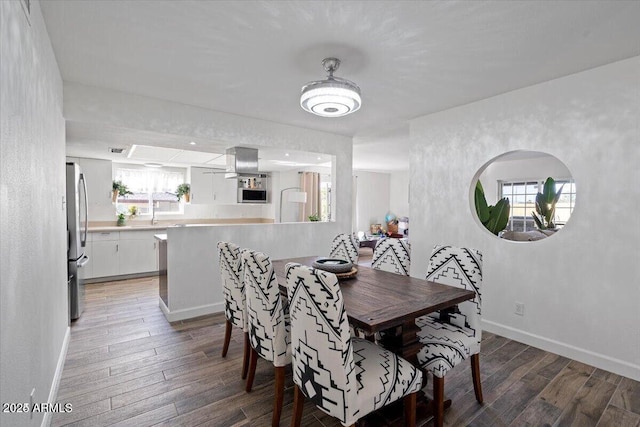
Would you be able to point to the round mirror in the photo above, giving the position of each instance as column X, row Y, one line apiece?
column 523, row 195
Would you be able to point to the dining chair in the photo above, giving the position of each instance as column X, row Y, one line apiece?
column 392, row 255
column 268, row 318
column 345, row 246
column 235, row 306
column 451, row 336
column 344, row 376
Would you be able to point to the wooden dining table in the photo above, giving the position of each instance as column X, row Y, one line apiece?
column 377, row 301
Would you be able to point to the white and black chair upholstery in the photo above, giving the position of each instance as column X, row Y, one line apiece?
column 235, row 305
column 345, row 246
column 268, row 315
column 451, row 336
column 392, row 255
column 343, row 376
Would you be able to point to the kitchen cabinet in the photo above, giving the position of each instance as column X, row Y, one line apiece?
column 137, row 252
column 117, row 253
column 104, row 254
column 209, row 186
column 99, row 178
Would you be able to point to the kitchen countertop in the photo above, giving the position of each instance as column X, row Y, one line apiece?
column 97, row 226
column 129, row 227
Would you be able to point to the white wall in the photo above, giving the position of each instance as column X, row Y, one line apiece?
column 399, row 193
column 580, row 287
column 33, row 285
column 372, row 199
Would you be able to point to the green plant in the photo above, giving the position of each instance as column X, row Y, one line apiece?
column 183, row 190
column 121, row 219
column 494, row 218
column 133, row 211
column 314, row 217
column 120, row 188
column 546, row 205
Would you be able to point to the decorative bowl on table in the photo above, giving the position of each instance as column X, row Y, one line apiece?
column 333, row 265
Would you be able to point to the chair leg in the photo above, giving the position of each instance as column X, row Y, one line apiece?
column 410, row 409
column 475, row 372
column 298, row 404
column 438, row 401
column 279, row 396
column 227, row 338
column 245, row 357
column 252, row 369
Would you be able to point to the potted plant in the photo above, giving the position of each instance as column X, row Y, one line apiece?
column 314, row 217
column 546, row 205
column 494, row 218
column 121, row 220
column 133, row 211
column 118, row 189
column 184, row 190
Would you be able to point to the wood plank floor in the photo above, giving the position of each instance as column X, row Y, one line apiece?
column 127, row 366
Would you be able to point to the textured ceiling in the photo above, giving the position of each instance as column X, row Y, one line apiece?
column 409, row 58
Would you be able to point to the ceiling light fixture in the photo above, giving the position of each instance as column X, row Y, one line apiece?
column 332, row 97
column 192, row 143
column 153, row 165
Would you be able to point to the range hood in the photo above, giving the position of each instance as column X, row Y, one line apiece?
column 242, row 163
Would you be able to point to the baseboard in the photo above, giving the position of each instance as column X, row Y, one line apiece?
column 598, row 360
column 53, row 392
column 120, row 277
column 189, row 313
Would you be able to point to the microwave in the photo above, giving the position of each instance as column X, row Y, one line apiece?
column 252, row 195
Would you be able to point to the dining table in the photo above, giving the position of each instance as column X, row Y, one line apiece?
column 377, row 300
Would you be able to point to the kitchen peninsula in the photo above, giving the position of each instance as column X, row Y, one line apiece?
column 193, row 276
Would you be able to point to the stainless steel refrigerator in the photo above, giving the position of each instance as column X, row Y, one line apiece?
column 77, row 224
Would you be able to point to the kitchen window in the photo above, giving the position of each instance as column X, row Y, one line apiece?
column 150, row 185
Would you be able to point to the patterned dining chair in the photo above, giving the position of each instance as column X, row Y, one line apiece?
column 392, row 255
column 235, row 306
column 268, row 317
column 345, row 246
column 452, row 336
column 345, row 377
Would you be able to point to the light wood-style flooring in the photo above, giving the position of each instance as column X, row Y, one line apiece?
column 127, row 366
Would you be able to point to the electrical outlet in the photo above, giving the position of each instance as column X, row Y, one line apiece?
column 519, row 309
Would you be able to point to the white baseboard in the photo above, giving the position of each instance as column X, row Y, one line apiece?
column 189, row 313
column 53, row 392
column 598, row 360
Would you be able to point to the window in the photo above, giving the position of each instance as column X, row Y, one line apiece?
column 147, row 185
column 325, row 197
column 522, row 197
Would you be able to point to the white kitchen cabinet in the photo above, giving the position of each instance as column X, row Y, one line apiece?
column 209, row 186
column 117, row 253
column 225, row 190
column 98, row 175
column 202, row 186
column 137, row 252
column 105, row 258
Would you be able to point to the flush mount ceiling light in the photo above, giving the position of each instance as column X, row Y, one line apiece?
column 332, row 97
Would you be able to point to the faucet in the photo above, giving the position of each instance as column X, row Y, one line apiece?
column 154, row 221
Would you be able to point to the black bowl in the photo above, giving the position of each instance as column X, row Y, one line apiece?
column 333, row 265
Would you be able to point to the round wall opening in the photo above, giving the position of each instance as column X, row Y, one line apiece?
column 523, row 196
